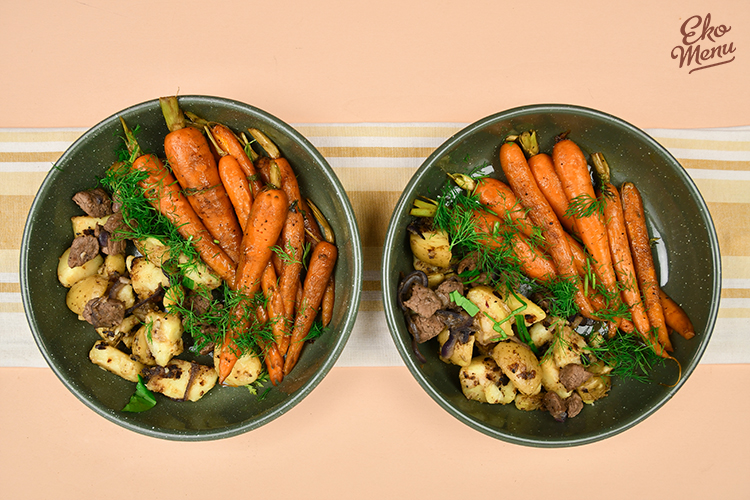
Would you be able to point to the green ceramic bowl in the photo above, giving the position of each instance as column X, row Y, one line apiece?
column 687, row 258
column 65, row 341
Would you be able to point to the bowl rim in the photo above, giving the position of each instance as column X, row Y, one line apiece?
column 388, row 287
column 348, row 319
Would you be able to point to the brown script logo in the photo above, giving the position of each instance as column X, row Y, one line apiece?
column 691, row 51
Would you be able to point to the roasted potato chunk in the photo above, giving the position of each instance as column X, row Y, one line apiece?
column 69, row 276
column 146, row 277
column 492, row 312
column 85, row 290
column 181, row 380
column 164, row 336
column 432, row 247
column 520, row 365
column 246, row 370
column 114, row 360
column 483, row 381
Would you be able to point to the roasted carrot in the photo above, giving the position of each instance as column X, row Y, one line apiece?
column 494, row 233
column 643, row 261
column 263, row 227
column 194, row 166
column 322, row 262
column 275, row 307
column 572, row 169
column 232, row 146
column 274, row 361
column 619, row 246
column 499, row 197
column 291, row 244
column 163, row 192
column 235, row 182
column 293, row 235
column 329, row 297
column 291, row 188
column 549, row 184
column 518, row 173
column 675, row 317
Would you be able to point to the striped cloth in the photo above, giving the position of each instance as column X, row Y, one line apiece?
column 374, row 163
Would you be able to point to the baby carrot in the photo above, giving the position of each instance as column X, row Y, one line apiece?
column 675, row 317
column 645, row 271
column 518, row 173
column 232, row 146
column 194, row 166
column 321, row 266
column 549, row 183
column 572, row 169
column 263, row 227
column 163, row 192
column 622, row 259
column 235, row 182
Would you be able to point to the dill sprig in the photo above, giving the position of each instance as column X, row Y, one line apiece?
column 211, row 327
column 628, row 356
column 585, row 205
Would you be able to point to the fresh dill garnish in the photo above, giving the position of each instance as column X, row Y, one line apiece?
column 258, row 384
column 628, row 356
column 584, row 205
column 316, row 330
column 287, row 254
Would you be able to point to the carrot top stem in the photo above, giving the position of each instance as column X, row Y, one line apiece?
column 173, row 115
column 211, row 138
column 464, row 182
column 529, row 143
column 197, row 120
column 327, row 230
column 265, row 142
column 249, row 151
column 601, row 167
column 130, row 142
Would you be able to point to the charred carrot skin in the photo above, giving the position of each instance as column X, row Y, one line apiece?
column 322, row 262
column 234, row 181
column 232, row 146
column 675, row 317
column 194, row 166
column 263, row 227
column 163, row 192
column 521, row 180
column 549, row 183
column 640, row 249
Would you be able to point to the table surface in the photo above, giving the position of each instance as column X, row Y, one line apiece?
column 367, row 432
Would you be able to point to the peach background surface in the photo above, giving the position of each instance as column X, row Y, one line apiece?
column 369, row 432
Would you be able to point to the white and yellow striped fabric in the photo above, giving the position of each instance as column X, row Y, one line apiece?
column 374, row 163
